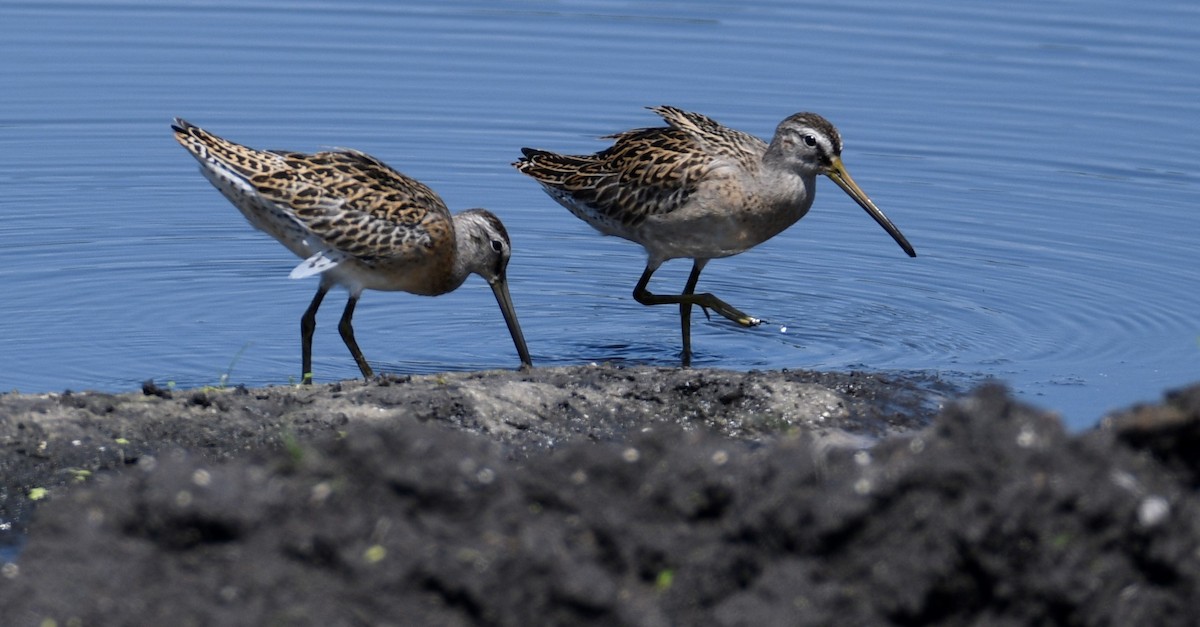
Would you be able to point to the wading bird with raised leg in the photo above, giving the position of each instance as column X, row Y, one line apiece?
column 695, row 189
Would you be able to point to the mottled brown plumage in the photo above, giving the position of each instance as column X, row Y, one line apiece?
column 698, row 190
column 357, row 223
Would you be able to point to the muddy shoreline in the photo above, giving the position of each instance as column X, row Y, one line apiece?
column 596, row 495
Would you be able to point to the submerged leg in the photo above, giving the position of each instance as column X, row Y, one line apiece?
column 685, row 310
column 347, row 332
column 705, row 300
column 308, row 324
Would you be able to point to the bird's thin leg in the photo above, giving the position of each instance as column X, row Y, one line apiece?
column 347, row 332
column 643, row 296
column 685, row 310
column 686, row 300
column 308, row 324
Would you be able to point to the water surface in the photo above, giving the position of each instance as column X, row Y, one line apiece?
column 1039, row 156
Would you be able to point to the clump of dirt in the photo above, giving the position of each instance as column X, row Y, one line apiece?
column 52, row 442
column 628, row 497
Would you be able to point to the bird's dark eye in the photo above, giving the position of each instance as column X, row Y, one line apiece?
column 497, row 245
column 810, row 141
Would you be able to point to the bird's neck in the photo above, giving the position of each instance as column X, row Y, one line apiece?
column 789, row 189
column 470, row 239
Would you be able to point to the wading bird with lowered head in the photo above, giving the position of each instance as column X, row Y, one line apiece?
column 359, row 224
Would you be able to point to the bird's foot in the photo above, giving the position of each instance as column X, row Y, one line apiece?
column 732, row 313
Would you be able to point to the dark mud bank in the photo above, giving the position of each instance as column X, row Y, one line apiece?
column 602, row 496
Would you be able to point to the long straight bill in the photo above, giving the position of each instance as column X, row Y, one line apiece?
column 838, row 173
column 500, row 289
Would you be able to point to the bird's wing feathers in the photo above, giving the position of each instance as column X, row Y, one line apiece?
column 349, row 201
column 646, row 171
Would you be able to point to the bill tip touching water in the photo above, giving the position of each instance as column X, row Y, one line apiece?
column 696, row 189
column 359, row 224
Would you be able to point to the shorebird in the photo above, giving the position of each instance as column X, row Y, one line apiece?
column 698, row 190
column 359, row 224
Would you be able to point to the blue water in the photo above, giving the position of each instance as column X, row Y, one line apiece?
column 1041, row 157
